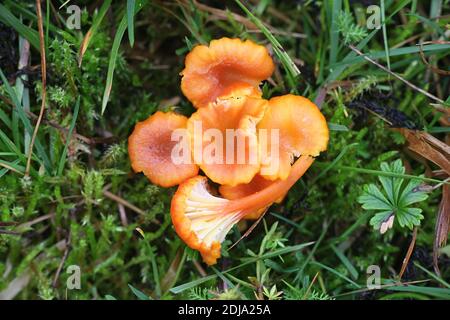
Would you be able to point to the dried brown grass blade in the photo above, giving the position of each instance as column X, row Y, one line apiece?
column 442, row 226
column 408, row 253
column 44, row 85
column 171, row 275
column 252, row 227
column 84, row 45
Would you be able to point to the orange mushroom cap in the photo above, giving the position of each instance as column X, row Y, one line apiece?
column 150, row 149
column 197, row 220
column 302, row 129
column 233, row 121
column 202, row 220
column 226, row 65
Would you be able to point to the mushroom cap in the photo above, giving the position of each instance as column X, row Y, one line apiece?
column 225, row 65
column 202, row 220
column 150, row 149
column 302, row 129
column 197, row 218
column 233, row 122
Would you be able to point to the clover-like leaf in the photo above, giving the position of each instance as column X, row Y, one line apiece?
column 394, row 199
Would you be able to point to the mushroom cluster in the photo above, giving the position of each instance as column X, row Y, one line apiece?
column 222, row 81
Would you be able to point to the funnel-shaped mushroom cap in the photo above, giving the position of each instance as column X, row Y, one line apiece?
column 202, row 220
column 257, row 184
column 224, row 139
column 198, row 219
column 225, row 65
column 150, row 148
column 302, row 131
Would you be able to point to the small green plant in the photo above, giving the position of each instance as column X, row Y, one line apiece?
column 198, row 293
column 273, row 293
column 395, row 200
column 350, row 31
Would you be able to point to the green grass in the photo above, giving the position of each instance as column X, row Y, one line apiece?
column 316, row 244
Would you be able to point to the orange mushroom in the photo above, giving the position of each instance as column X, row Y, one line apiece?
column 224, row 67
column 202, row 220
column 150, row 149
column 224, row 139
column 302, row 129
column 222, row 80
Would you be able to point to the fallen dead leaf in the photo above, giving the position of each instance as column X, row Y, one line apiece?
column 428, row 147
column 442, row 225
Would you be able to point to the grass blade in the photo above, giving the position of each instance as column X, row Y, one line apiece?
column 434, row 276
column 11, row 145
column 113, row 57
column 395, row 52
column 334, row 32
column 334, row 162
column 386, row 44
column 138, row 293
column 272, row 254
column 340, row 275
column 87, row 38
column 130, row 20
column 112, row 61
column 26, row 122
column 441, row 293
column 10, row 20
column 13, row 166
column 346, row 262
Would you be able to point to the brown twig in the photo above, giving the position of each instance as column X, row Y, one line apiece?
column 8, row 224
column 9, row 167
column 252, row 227
column 28, row 224
column 122, row 214
column 413, row 86
column 122, row 201
column 310, row 286
column 199, row 268
column 44, row 83
column 408, row 253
